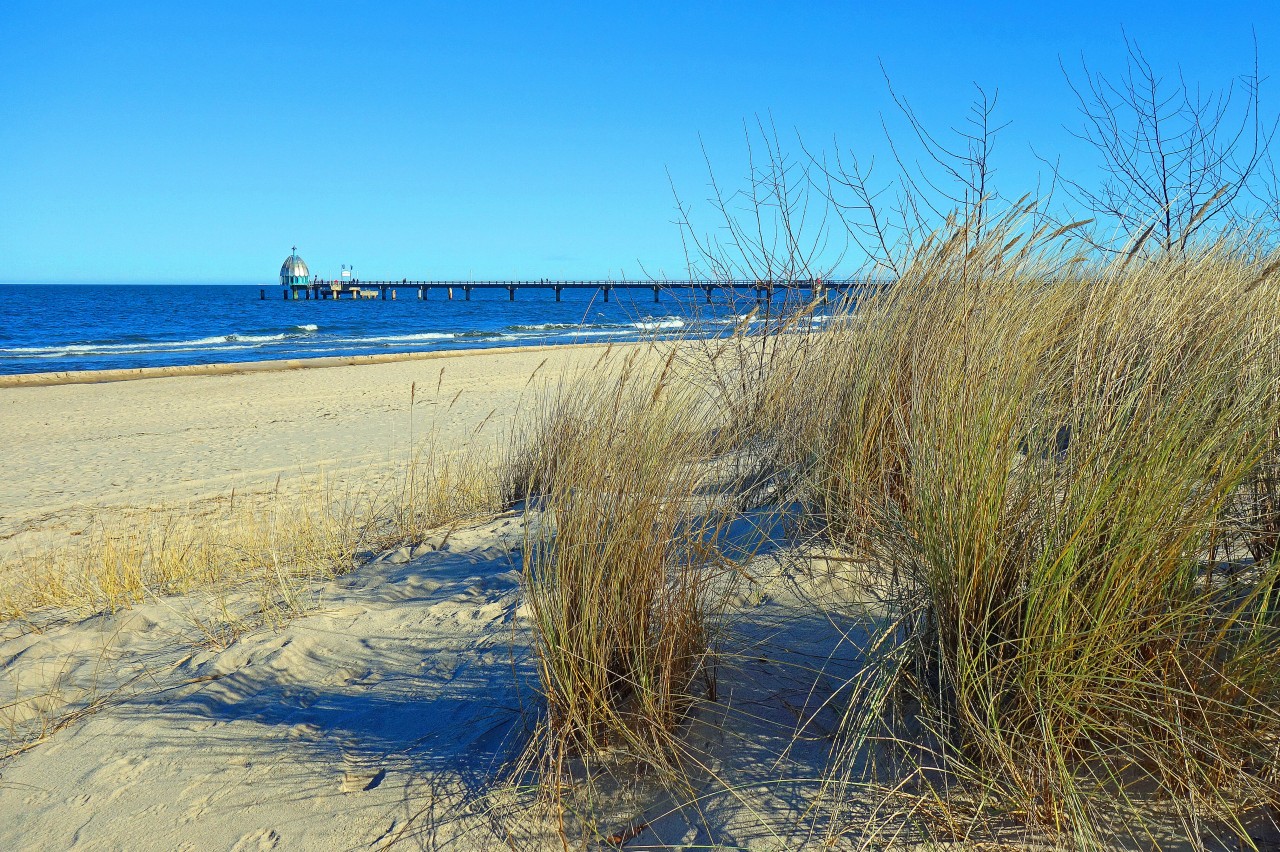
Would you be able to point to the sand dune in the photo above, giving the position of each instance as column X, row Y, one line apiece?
column 333, row 732
column 389, row 714
column 390, row 711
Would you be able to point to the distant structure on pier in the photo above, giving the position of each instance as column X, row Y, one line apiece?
column 297, row 282
column 294, row 273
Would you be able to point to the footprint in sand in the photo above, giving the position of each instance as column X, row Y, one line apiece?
column 122, row 771
column 360, row 773
column 257, row 841
column 303, row 731
column 352, row 676
column 358, row 781
column 120, row 774
column 195, row 811
column 39, row 797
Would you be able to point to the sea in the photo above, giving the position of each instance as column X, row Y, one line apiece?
column 63, row 327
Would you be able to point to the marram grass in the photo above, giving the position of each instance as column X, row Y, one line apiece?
column 1066, row 469
column 624, row 574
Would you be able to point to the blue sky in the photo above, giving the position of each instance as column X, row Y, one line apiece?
column 183, row 142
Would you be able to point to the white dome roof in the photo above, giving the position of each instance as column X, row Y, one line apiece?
column 294, row 267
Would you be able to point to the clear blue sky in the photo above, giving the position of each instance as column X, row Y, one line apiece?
column 184, row 142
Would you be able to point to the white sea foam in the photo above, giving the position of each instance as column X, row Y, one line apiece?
column 655, row 323
column 254, row 338
column 614, row 332
column 86, row 348
column 545, row 326
column 404, row 338
column 218, row 343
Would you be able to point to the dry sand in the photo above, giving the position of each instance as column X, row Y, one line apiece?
column 391, row 709
column 182, row 434
column 386, row 717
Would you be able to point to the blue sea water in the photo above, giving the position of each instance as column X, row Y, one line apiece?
column 59, row 327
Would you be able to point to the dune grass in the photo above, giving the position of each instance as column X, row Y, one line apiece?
column 308, row 527
column 1065, row 469
column 1064, row 474
column 625, row 574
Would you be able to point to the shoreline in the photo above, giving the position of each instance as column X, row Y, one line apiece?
column 229, row 368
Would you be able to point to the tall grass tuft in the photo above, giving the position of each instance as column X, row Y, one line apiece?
column 624, row 576
column 1066, row 471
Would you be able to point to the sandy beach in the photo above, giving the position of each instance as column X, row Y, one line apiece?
column 389, row 710
column 438, row 426
column 174, row 435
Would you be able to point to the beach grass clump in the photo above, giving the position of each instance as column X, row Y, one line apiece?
column 761, row 381
column 623, row 574
column 430, row 490
column 278, row 539
column 534, row 452
column 1064, row 468
column 304, row 529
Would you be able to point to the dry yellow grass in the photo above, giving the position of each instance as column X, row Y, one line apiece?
column 305, row 529
column 1065, row 468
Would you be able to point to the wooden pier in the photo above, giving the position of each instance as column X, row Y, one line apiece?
column 297, row 282
column 763, row 290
